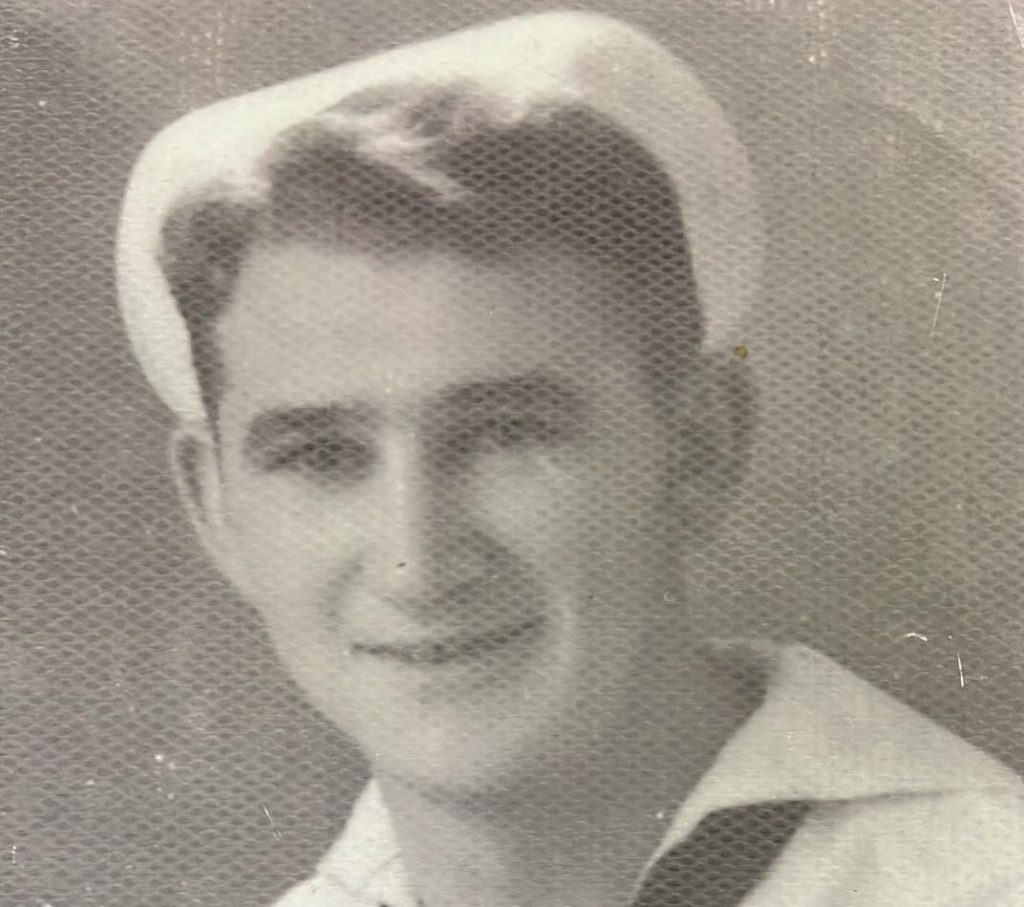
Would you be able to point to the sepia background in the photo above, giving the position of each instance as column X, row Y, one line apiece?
column 151, row 750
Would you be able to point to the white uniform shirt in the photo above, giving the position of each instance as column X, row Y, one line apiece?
column 904, row 813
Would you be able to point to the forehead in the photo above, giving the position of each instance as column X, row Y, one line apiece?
column 316, row 324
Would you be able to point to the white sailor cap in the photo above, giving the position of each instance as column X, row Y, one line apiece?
column 583, row 58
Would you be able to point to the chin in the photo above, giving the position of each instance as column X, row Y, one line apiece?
column 466, row 750
column 449, row 763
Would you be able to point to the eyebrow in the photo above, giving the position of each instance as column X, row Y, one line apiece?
column 269, row 427
column 532, row 389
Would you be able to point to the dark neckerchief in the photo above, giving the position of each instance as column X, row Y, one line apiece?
column 724, row 857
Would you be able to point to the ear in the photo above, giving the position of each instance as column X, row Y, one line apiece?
column 197, row 476
column 716, row 426
column 732, row 414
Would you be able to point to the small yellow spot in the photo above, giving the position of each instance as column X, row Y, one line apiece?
column 741, row 352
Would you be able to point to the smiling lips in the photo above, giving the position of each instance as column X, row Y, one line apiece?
column 450, row 649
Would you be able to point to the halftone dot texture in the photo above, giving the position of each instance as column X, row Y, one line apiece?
column 156, row 751
column 724, row 857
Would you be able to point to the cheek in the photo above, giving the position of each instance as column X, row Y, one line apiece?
column 567, row 510
column 533, row 502
column 287, row 544
column 287, row 553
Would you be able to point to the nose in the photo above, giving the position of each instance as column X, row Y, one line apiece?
column 415, row 518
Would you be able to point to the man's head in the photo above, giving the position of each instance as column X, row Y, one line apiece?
column 458, row 420
column 447, row 360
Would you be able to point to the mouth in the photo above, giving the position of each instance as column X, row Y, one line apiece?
column 450, row 649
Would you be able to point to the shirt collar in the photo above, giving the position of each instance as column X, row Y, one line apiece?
column 820, row 734
column 824, row 734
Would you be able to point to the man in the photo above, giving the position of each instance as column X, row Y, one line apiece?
column 444, row 331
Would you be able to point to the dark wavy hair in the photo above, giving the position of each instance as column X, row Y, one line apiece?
column 409, row 168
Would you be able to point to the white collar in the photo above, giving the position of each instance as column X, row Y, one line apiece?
column 824, row 734
column 820, row 734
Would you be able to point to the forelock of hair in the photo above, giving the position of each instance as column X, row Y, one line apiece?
column 418, row 169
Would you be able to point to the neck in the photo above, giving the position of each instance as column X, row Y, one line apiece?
column 580, row 832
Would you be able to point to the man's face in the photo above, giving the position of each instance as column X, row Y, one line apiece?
column 442, row 485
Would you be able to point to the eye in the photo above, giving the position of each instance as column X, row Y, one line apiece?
column 333, row 459
column 513, row 431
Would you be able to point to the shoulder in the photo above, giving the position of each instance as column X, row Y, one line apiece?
column 951, row 828
column 905, row 811
column 960, row 848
